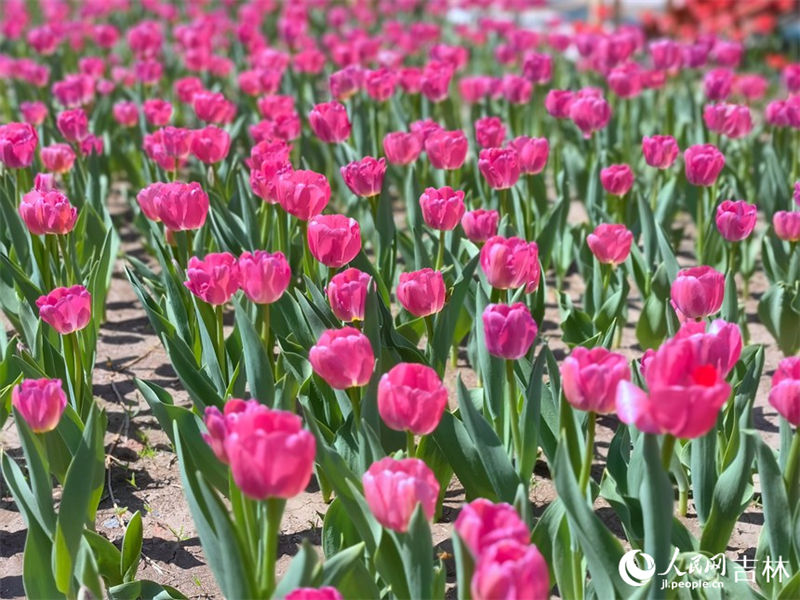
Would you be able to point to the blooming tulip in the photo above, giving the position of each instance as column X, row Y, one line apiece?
column 329, row 122
column 698, row 291
column 210, row 144
column 500, row 167
column 489, row 132
column 509, row 263
column 393, row 489
column 442, row 208
column 347, row 294
column 660, row 151
column 446, row 149
column 421, row 293
column 590, row 378
column 480, row 224
column 482, row 523
column 537, row 67
column 589, row 113
column 557, row 103
column 73, row 124
column 703, row 164
column 302, row 193
column 784, row 396
column 47, row 212
column 610, row 243
column 718, row 344
column 57, row 158
column 17, row 145
column 33, row 112
column 365, row 177
column 343, row 358
column 264, row 276
column 213, row 279
column 718, row 83
column 509, row 330
column 508, row 570
column 401, row 148
column 324, row 593
column 334, row 240
column 411, row 397
column 731, row 120
column 157, row 111
column 40, row 402
column 182, row 206
column 532, row 153
column 617, row 179
column 736, row 220
column 66, row 309
column 787, row 225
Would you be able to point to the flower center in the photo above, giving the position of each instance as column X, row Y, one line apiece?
column 705, row 375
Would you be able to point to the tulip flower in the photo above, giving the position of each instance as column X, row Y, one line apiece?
column 532, row 153
column 57, row 158
column 365, row 177
column 343, row 358
column 490, row 132
column 157, row 111
column 482, row 523
column 537, row 67
column 617, row 180
column 302, row 193
column 736, row 219
column 34, row 113
column 125, row 113
column 703, row 164
column 660, row 151
column 589, row 113
column 329, row 122
column 718, row 343
column 480, row 224
column 590, row 378
column 324, row 593
column 47, row 212
column 18, row 143
column 698, row 291
column 40, row 402
column 731, row 120
column 73, row 124
column 421, row 293
column 181, row 206
column 264, row 276
column 347, row 294
column 500, row 167
column 393, row 489
column 213, row 107
column 610, row 243
column 334, row 240
column 401, row 148
column 509, row 263
column 66, row 309
column 210, row 144
column 442, row 208
column 787, row 225
column 411, row 398
column 213, row 279
column 509, row 330
column 557, row 103
column 784, row 396
column 509, row 569
column 718, row 84
column 446, row 149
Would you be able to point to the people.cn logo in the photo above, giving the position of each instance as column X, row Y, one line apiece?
column 630, row 571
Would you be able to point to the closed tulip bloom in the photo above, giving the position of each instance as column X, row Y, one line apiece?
column 323, row 593
column 213, row 279
column 346, row 82
column 666, row 54
column 125, row 113
column 490, row 132
column 347, row 294
column 731, row 120
column 537, row 67
column 380, row 84
column 510, row 570
column 480, row 224
column 557, row 103
column 500, row 167
column 303, row 194
column 509, row 263
column 509, row 330
column 73, row 124
column 698, row 291
column 736, row 219
column 40, row 402
column 148, row 198
column 329, row 122
column 253, row 436
column 610, row 243
column 442, row 208
column 365, row 177
column 617, row 179
column 57, row 158
column 704, row 162
column 422, row 292
column 213, row 107
column 343, row 358
column 516, row 89
column 211, row 144
column 17, row 145
column 482, row 523
column 47, row 212
column 784, row 396
column 590, row 378
column 411, row 397
column 447, row 149
column 660, row 151
column 685, row 392
column 625, row 80
column 33, row 112
column 401, row 148
column 44, row 182
column 718, row 84
column 532, row 153
column 787, row 225
column 435, row 80
column 182, row 206
column 473, row 89
column 589, row 113
column 334, row 240
column 264, row 276
column 393, row 489
column 66, row 309
column 157, row 111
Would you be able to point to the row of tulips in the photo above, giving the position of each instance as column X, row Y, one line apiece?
column 286, row 110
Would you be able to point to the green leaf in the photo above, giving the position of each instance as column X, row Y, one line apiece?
column 131, row 548
column 106, row 555
column 448, row 318
column 37, row 577
column 417, row 548
column 338, row 531
column 776, row 503
column 390, row 564
column 256, row 362
column 657, row 498
column 346, row 572
column 300, row 572
column 144, row 589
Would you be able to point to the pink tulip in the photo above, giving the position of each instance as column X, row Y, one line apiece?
column 509, row 263
column 47, row 212
column 557, row 103
column 617, row 179
column 40, row 402
column 425, row 128
column 475, row 88
column 787, row 225
column 249, row 436
column 334, row 240
column 148, row 198
column 446, row 149
column 365, row 177
column 435, row 81
column 482, row 523
column 736, row 220
column 186, row 87
column 91, row 144
column 509, row 330
column 74, row 90
column 213, row 279
column 422, row 292
column 66, row 309
column 509, row 570
column 718, row 84
column 329, row 122
column 666, row 54
column 380, row 84
column 698, row 291
column 264, row 276
column 264, row 178
column 347, row 294
column 718, row 343
column 323, row 593
column 401, row 148
column 704, row 162
column 394, row 488
column 182, row 206
column 516, row 89
column 537, row 67
column 57, row 158
column 211, row 144
column 751, row 86
column 213, row 107
column 442, row 208
column 784, row 396
column 411, row 397
column 532, row 153
column 44, row 182
column 490, row 132
column 302, row 193
column 500, row 167
column 589, row 113
column 685, row 392
column 660, row 151
column 610, row 243
column 625, row 80
column 18, row 143
column 731, row 120
column 34, row 113
column 480, row 224
column 343, row 358
column 157, row 111
column 346, row 82
column 73, row 124
column 590, row 378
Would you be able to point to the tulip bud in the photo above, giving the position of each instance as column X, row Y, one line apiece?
column 421, row 293
column 500, row 167
column 302, row 193
column 365, row 177
column 718, row 83
column 610, row 243
column 704, row 162
column 731, row 120
column 394, row 488
column 401, row 148
column 213, row 279
column 509, row 330
column 660, row 151
column 442, row 208
column 329, row 122
column 343, row 358
column 411, row 397
column 324, row 593
column 532, row 153
column 334, row 240
column 698, row 291
column 57, row 158
column 787, row 225
column 34, row 113
column 590, row 377
column 617, row 179
column 66, row 309
column 264, row 276
column 73, row 124
column 785, row 393
column 482, row 523
column 736, row 220
column 589, row 113
column 479, row 225
column 181, row 206
column 557, row 103
column 157, row 111
column 347, row 294
column 211, row 144
column 490, row 132
column 40, row 402
column 509, row 263
column 446, row 149
column 509, row 569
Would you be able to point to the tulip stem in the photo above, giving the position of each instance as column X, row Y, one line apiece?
column 354, row 393
column 272, row 527
column 440, row 252
column 588, row 457
column 66, row 258
column 656, row 190
column 666, row 451
column 266, row 338
column 74, row 364
column 221, row 356
column 513, row 415
column 410, row 444
column 792, row 473
column 429, row 329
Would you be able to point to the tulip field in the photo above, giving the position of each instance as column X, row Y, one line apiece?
column 377, row 300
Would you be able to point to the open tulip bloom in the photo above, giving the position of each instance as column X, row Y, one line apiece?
column 448, row 279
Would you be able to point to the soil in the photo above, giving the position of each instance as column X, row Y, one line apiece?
column 143, row 473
